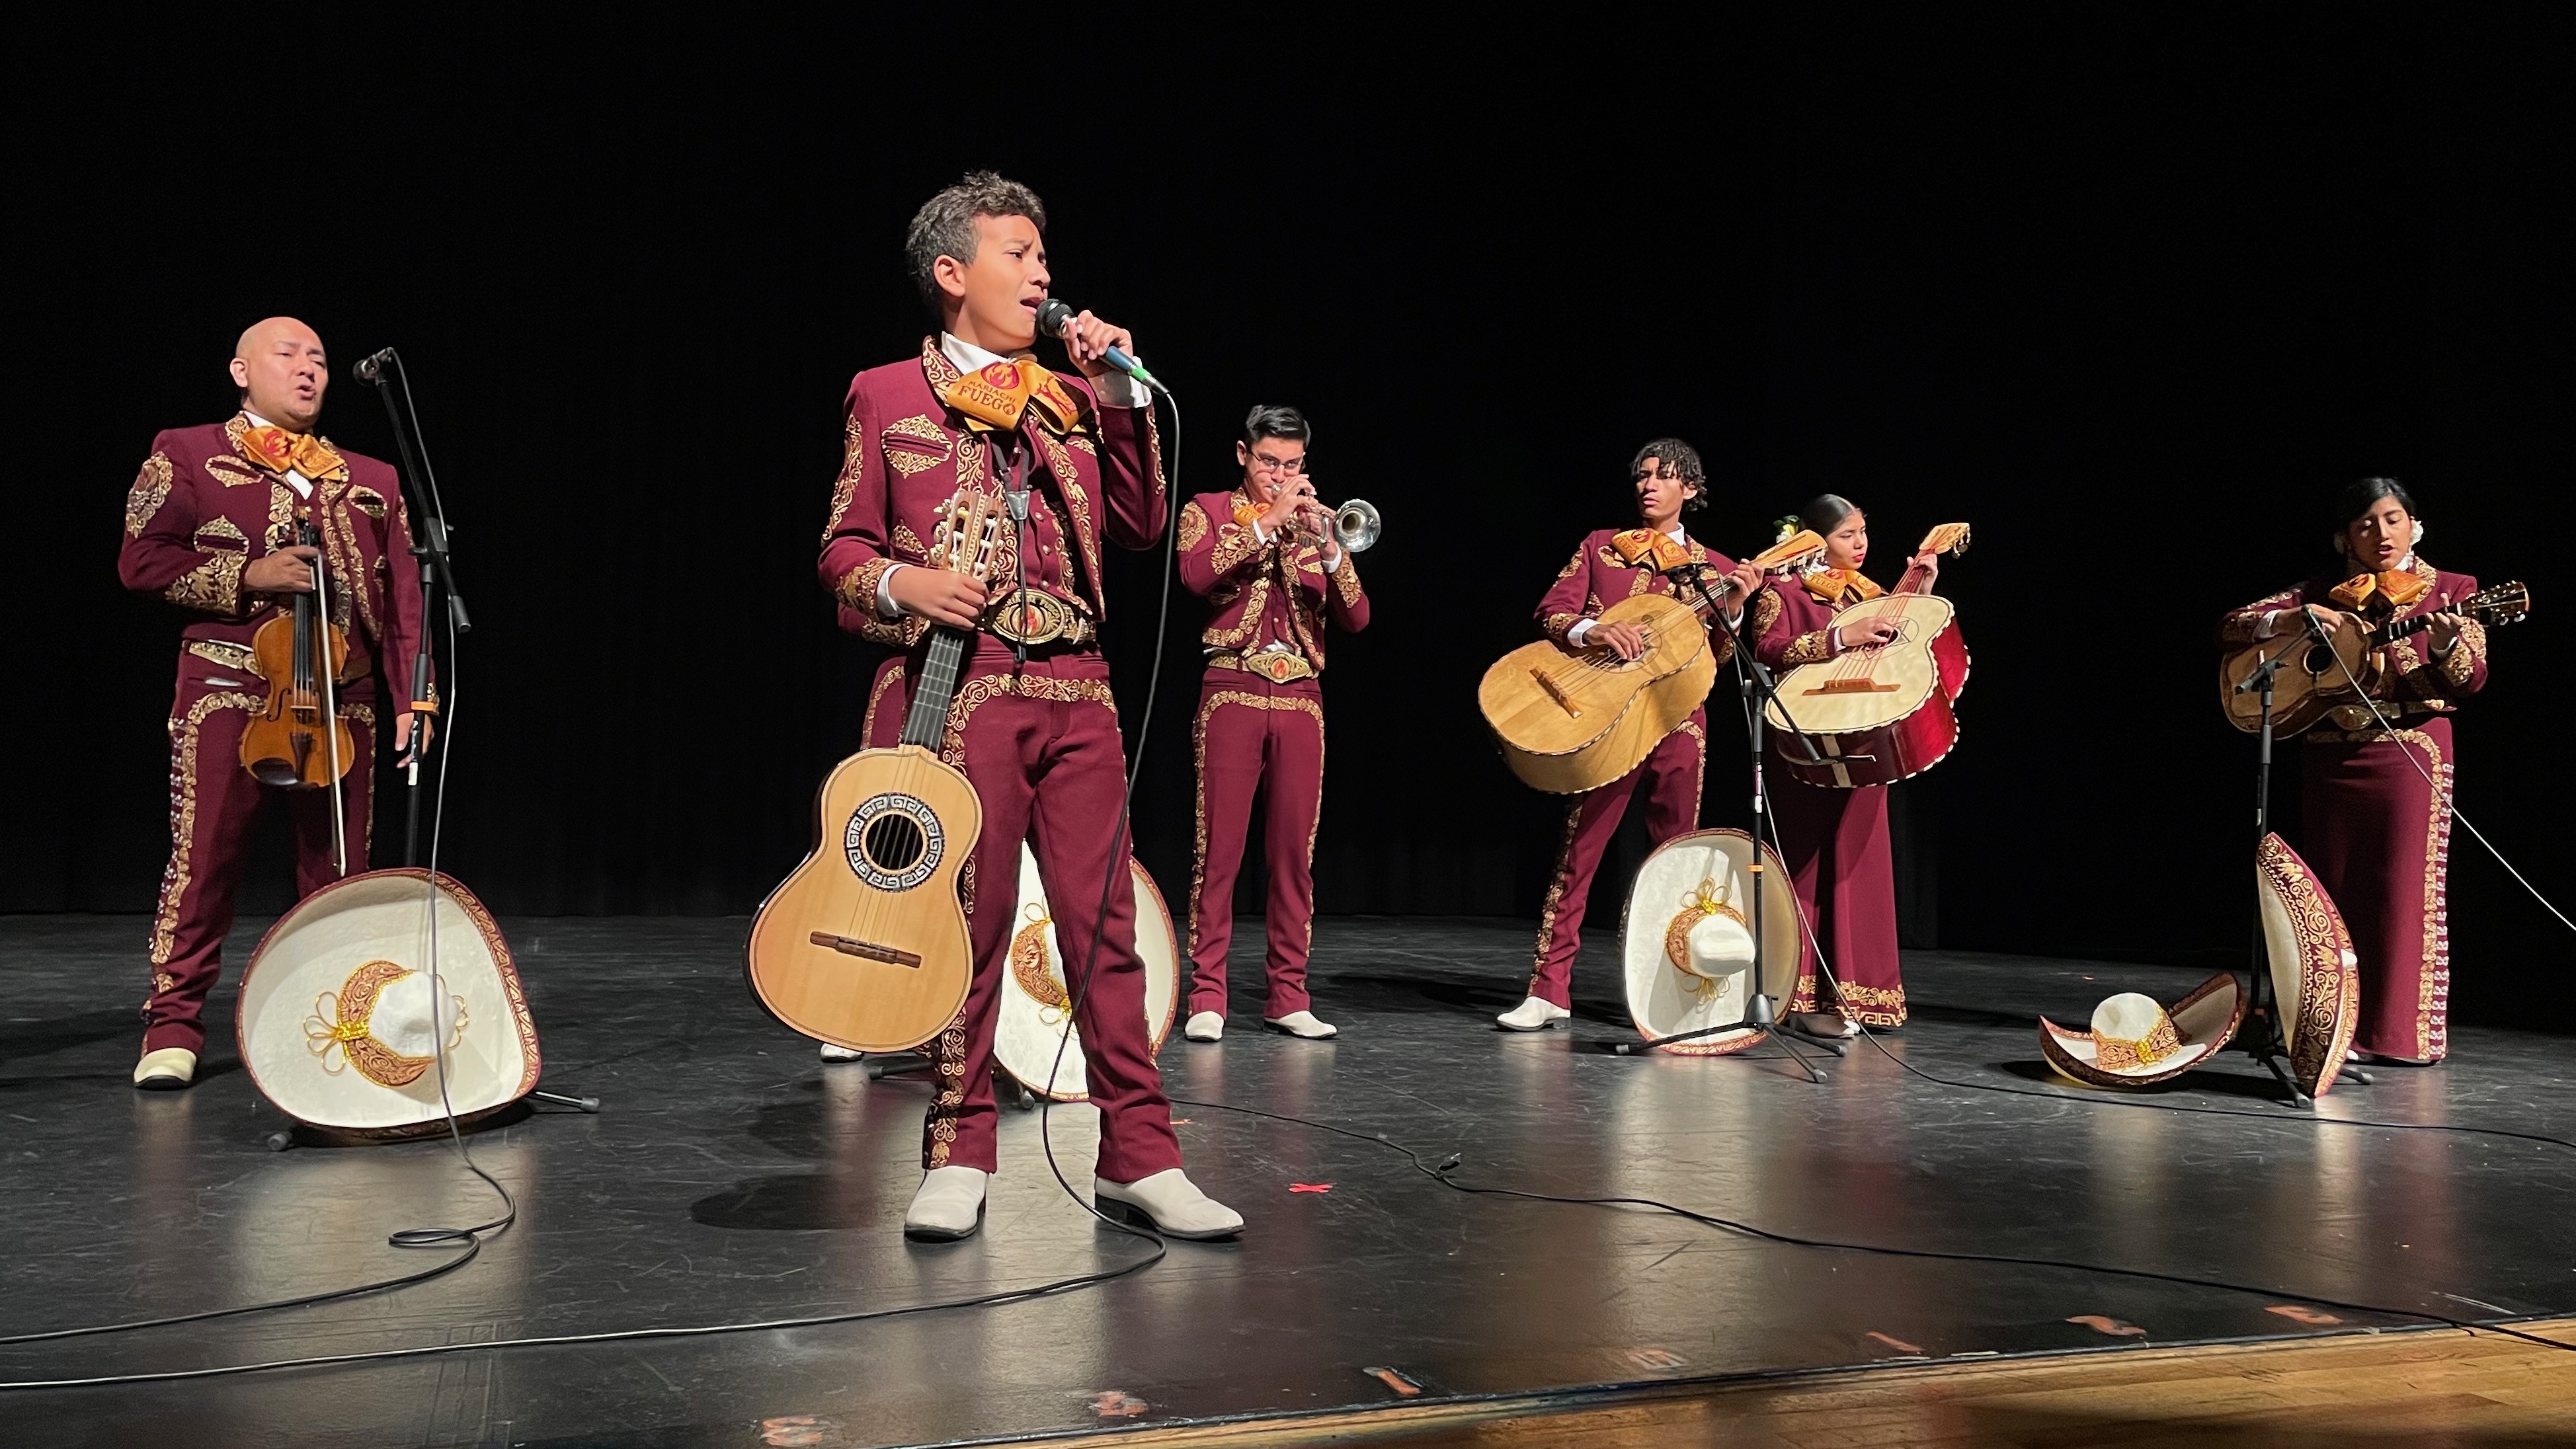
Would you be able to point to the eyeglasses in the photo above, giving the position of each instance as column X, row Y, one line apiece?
column 1269, row 464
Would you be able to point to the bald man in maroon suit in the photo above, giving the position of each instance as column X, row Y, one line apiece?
column 211, row 525
column 1032, row 723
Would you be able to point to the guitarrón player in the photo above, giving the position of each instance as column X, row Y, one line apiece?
column 1607, row 567
column 1263, row 555
column 1033, row 725
column 210, row 526
column 2378, row 833
column 1834, row 842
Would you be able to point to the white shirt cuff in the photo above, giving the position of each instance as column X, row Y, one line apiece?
column 1575, row 631
column 1118, row 390
column 886, row 605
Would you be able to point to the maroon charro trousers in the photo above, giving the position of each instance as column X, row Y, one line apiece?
column 1672, row 778
column 1254, row 737
column 215, row 806
column 1041, row 745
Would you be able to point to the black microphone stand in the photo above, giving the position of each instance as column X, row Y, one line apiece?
column 437, row 571
column 2268, row 1041
column 1753, row 683
column 437, row 580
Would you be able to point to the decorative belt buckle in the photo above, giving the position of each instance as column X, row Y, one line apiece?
column 1030, row 616
column 1276, row 665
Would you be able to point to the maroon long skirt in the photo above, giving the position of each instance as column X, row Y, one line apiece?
column 2377, row 837
column 1834, row 843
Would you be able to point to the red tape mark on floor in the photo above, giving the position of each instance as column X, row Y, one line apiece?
column 2308, row 1316
column 1900, row 1345
column 1310, row 1187
column 1404, row 1384
column 2112, row 1326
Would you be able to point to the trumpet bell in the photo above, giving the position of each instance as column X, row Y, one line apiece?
column 1356, row 525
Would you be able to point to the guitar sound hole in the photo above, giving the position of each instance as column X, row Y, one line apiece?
column 895, row 841
column 2319, row 660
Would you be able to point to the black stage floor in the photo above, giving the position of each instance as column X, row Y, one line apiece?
column 732, row 1177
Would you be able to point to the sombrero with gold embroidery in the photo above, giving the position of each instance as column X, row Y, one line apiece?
column 1035, row 1022
column 2135, row 1042
column 1687, row 940
column 2316, row 978
column 344, row 1026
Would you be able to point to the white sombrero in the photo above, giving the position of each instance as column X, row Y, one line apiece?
column 2136, row 1043
column 1034, row 1020
column 342, row 1026
column 2316, row 978
column 1687, row 939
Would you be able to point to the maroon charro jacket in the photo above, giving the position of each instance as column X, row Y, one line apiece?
column 906, row 452
column 203, row 508
column 1598, row 577
column 1263, row 593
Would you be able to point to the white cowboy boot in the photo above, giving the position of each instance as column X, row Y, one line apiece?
column 166, row 1070
column 949, row 1205
column 1302, row 1023
column 833, row 1053
column 1205, row 1026
column 1169, row 1203
column 1536, row 1014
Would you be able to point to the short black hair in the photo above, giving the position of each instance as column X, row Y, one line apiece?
column 1266, row 421
column 945, row 225
column 1683, row 460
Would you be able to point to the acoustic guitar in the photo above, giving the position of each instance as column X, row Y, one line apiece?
column 1571, row 720
column 865, row 943
column 2315, row 678
column 1891, row 702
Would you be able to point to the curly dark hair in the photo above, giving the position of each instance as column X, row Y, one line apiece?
column 1683, row 460
column 945, row 225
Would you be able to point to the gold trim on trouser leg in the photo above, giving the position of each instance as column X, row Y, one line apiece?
column 1315, row 822
column 1199, row 837
column 1555, row 889
column 2433, row 973
column 184, row 735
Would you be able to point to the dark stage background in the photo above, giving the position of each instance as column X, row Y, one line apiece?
column 2134, row 293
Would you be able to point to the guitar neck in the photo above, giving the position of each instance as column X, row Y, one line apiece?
column 926, row 722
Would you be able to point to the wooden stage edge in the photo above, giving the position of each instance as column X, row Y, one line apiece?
column 2417, row 1387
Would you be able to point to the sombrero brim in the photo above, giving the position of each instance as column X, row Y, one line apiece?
column 2205, row 1020
column 1027, row 1045
column 2316, row 985
column 1660, row 1001
column 383, row 915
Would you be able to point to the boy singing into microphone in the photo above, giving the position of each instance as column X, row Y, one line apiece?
column 1033, row 725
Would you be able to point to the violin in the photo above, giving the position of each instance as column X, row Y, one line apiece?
column 298, row 740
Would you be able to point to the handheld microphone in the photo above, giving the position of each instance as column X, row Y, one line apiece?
column 371, row 366
column 1055, row 319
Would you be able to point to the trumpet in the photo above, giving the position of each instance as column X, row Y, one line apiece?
column 1355, row 524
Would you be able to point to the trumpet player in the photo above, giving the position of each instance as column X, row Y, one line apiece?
column 1265, row 557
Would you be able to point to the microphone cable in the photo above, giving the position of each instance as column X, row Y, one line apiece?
column 472, row 1238
column 1442, row 1174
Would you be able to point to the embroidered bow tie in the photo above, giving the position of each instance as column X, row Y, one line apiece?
column 999, row 393
column 278, row 450
column 2395, row 589
column 1836, row 586
column 1645, row 548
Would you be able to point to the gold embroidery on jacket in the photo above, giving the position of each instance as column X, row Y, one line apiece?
column 151, row 488
column 846, row 486
column 1193, row 524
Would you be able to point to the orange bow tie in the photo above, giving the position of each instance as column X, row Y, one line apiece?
column 2396, row 589
column 1645, row 548
column 999, row 392
column 278, row 450
column 1840, row 586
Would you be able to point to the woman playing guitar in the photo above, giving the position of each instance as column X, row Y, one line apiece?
column 2378, row 823
column 1834, row 842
